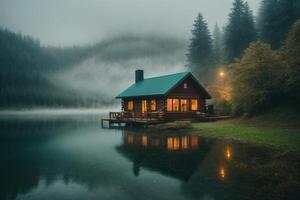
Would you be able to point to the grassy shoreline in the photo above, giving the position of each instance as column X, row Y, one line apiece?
column 279, row 138
column 279, row 129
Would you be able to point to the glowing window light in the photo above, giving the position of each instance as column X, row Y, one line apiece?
column 175, row 106
column 194, row 141
column 183, row 105
column 194, row 104
column 130, row 105
column 153, row 105
column 185, row 142
column 170, row 144
column 130, row 139
column 169, row 105
column 144, row 140
column 144, row 106
column 176, row 143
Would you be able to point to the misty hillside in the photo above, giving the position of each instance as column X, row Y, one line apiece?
column 87, row 76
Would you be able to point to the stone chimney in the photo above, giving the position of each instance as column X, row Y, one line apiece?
column 139, row 75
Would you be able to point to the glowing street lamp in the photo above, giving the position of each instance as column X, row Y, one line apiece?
column 222, row 74
column 222, row 172
column 228, row 153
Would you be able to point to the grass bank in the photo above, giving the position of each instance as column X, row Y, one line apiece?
column 279, row 128
column 283, row 139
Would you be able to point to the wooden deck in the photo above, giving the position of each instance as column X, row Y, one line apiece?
column 117, row 119
column 121, row 123
column 121, row 119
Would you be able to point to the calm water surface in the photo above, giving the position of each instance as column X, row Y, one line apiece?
column 73, row 158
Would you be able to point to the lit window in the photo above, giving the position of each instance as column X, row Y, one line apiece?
column 185, row 142
column 185, row 85
column 194, row 104
column 130, row 139
column 130, row 105
column 173, row 143
column 169, row 104
column 144, row 106
column 153, row 104
column 144, row 140
column 195, row 142
column 183, row 105
column 175, row 106
column 176, row 143
column 170, row 144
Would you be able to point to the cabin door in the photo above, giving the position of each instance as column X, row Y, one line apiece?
column 144, row 106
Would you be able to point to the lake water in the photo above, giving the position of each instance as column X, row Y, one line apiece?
column 72, row 157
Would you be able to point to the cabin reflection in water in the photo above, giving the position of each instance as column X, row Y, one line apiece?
column 172, row 154
column 170, row 143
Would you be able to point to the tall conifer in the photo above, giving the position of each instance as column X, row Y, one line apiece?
column 276, row 18
column 217, row 45
column 200, row 54
column 240, row 30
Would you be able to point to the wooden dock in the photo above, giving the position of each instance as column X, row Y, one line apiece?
column 122, row 119
column 122, row 122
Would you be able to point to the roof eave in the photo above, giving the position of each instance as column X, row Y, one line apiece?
column 148, row 95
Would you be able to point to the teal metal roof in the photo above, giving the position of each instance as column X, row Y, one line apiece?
column 153, row 86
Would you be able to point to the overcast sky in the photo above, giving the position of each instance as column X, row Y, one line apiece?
column 76, row 22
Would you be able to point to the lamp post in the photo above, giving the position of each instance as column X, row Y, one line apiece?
column 222, row 74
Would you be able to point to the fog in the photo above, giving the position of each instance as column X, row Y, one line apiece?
column 112, row 68
column 124, row 35
column 77, row 22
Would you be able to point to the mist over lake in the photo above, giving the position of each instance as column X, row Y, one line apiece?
column 111, row 67
column 150, row 99
column 87, row 76
column 82, row 54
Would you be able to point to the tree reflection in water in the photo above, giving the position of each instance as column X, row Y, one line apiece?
column 177, row 155
column 209, row 168
column 198, row 167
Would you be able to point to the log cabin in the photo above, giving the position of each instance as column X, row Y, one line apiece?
column 184, row 152
column 171, row 97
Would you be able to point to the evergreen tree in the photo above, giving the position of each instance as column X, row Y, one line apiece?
column 276, row 18
column 217, row 45
column 200, row 49
column 25, row 65
column 240, row 30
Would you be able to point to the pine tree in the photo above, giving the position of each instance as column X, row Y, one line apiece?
column 276, row 18
column 249, row 23
column 240, row 30
column 217, row 45
column 200, row 49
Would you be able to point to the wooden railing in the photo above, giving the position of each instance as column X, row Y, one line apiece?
column 201, row 115
column 134, row 116
column 115, row 115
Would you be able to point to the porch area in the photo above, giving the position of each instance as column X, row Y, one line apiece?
column 125, row 118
